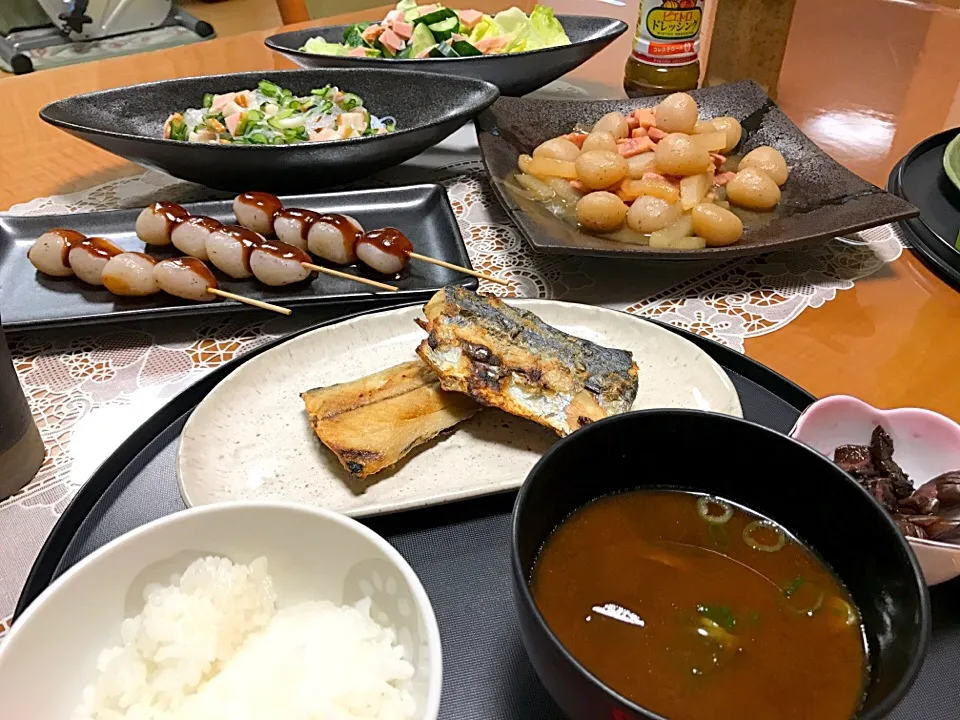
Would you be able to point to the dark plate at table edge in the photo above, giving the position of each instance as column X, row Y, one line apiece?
column 67, row 525
column 629, row 252
column 362, row 297
column 929, row 247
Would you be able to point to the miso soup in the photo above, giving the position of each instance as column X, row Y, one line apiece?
column 694, row 607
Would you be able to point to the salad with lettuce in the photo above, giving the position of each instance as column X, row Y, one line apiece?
column 273, row 115
column 434, row 31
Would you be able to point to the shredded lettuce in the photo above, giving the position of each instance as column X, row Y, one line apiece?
column 319, row 46
column 483, row 29
column 547, row 27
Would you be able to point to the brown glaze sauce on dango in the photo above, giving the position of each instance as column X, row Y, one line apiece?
column 347, row 229
column 389, row 240
column 71, row 238
column 197, row 267
column 97, row 246
column 173, row 213
column 284, row 251
column 248, row 238
column 270, row 204
column 208, row 223
column 151, row 258
column 306, row 218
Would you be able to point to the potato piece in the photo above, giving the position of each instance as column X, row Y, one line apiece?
column 682, row 227
column 549, row 167
column 711, row 142
column 563, row 190
column 730, row 126
column 717, row 226
column 598, row 169
column 558, row 148
column 693, row 189
column 539, row 189
column 601, row 212
column 523, row 162
column 681, row 243
column 657, row 187
column 677, row 154
column 600, row 141
column 677, row 113
column 640, row 165
column 768, row 159
column 614, row 123
column 704, row 126
column 752, row 188
column 649, row 214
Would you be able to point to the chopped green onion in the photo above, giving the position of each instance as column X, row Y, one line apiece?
column 268, row 88
column 791, row 589
column 207, row 99
column 810, row 610
column 258, row 138
column 254, row 116
column 322, row 92
column 714, row 510
column 286, row 93
column 719, row 614
column 179, row 130
column 779, row 538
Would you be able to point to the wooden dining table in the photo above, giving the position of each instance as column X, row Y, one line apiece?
column 865, row 79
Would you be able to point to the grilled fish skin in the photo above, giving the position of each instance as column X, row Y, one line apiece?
column 373, row 422
column 511, row 359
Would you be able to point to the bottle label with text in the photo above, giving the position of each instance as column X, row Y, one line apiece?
column 668, row 32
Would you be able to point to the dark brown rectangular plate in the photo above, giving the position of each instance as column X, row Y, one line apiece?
column 821, row 200
column 31, row 300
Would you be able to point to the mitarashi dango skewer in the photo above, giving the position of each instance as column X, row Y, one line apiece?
column 335, row 237
column 190, row 279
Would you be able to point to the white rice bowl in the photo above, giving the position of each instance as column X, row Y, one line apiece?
column 315, row 617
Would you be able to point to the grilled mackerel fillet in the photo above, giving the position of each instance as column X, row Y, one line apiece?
column 511, row 359
column 371, row 423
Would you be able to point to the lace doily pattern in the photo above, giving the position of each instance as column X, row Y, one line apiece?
column 89, row 387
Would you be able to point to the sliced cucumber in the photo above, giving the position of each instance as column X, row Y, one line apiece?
column 443, row 51
column 438, row 16
column 465, row 49
column 445, row 28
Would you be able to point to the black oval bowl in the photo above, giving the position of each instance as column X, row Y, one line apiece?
column 755, row 467
column 514, row 74
column 128, row 122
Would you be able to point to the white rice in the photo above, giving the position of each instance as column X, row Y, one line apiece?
column 213, row 646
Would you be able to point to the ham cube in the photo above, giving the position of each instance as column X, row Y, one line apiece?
column 635, row 146
column 358, row 52
column 220, row 100
column 393, row 17
column 231, row 121
column 490, row 45
column 393, row 42
column 656, row 134
column 403, row 29
column 470, row 18
column 324, row 134
column 723, row 178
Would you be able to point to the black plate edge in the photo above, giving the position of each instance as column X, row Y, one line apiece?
column 347, row 301
column 491, row 93
column 944, row 137
column 66, row 527
column 618, row 28
column 922, row 239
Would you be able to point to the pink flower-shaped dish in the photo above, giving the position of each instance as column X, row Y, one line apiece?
column 926, row 444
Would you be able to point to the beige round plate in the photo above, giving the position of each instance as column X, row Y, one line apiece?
column 250, row 439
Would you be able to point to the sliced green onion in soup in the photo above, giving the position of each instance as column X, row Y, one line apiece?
column 764, row 536
column 714, row 510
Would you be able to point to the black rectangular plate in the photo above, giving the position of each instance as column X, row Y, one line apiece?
column 460, row 552
column 821, row 200
column 31, row 300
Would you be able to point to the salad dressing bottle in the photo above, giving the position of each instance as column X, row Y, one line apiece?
column 666, row 48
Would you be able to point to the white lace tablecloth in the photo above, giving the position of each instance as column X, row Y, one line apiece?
column 89, row 388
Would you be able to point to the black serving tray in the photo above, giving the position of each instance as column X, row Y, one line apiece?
column 460, row 551
column 32, row 300
column 919, row 177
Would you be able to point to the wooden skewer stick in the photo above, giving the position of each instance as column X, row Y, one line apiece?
column 348, row 276
column 249, row 301
column 451, row 266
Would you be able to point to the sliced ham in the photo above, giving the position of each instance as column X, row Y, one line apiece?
column 655, row 134
column 718, row 159
column 644, row 117
column 403, row 29
column 492, row 44
column 470, row 18
column 723, row 178
column 635, row 146
column 220, row 100
column 638, row 132
column 578, row 186
column 393, row 42
column 577, row 139
column 424, row 53
column 358, row 52
column 325, row 134
column 231, row 121
column 393, row 17
column 371, row 33
column 633, row 123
